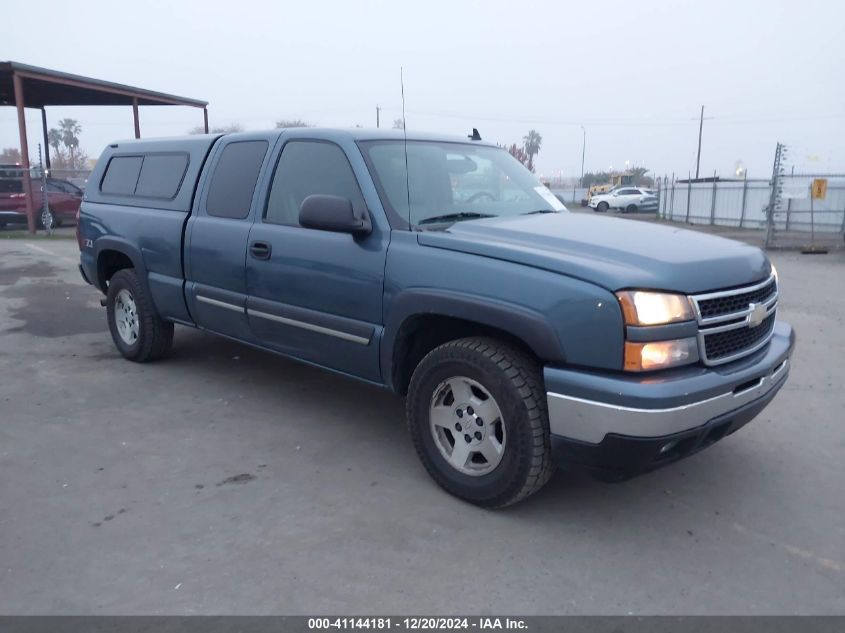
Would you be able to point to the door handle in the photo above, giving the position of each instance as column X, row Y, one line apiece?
column 260, row 250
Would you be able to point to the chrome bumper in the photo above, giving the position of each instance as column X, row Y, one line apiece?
column 585, row 419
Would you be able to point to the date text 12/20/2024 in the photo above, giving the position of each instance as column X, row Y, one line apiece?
column 417, row 623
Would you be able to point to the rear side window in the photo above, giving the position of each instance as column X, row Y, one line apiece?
column 11, row 186
column 147, row 176
column 161, row 175
column 121, row 175
column 233, row 182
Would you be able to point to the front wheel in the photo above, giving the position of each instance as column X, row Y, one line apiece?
column 602, row 207
column 137, row 330
column 477, row 416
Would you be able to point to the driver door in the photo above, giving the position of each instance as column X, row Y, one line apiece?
column 316, row 294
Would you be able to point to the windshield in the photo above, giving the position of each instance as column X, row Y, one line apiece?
column 450, row 182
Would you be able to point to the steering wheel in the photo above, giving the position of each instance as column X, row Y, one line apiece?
column 481, row 195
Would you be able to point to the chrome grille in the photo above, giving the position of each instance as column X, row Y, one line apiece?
column 729, row 304
column 735, row 323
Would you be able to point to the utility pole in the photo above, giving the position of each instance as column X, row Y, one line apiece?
column 378, row 111
column 700, row 128
column 583, row 152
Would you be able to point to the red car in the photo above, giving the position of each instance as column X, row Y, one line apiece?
column 63, row 199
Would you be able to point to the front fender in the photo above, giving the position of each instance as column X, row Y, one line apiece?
column 529, row 326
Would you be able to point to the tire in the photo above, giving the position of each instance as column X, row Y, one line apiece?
column 512, row 379
column 46, row 220
column 129, row 310
column 602, row 207
column 631, row 208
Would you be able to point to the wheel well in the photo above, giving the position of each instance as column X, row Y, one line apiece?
column 420, row 334
column 108, row 263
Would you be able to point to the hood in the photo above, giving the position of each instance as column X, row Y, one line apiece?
column 611, row 252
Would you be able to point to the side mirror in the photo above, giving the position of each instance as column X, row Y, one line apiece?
column 333, row 213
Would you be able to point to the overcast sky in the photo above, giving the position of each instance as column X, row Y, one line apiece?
column 634, row 74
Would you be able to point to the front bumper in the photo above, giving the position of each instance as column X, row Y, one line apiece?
column 620, row 425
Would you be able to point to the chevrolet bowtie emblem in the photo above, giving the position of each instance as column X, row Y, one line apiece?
column 758, row 314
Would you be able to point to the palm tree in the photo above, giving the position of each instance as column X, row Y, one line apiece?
column 70, row 130
column 54, row 138
column 532, row 142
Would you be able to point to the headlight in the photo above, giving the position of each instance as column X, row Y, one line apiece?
column 659, row 354
column 641, row 307
column 775, row 273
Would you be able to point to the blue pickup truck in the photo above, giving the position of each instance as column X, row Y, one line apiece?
column 524, row 336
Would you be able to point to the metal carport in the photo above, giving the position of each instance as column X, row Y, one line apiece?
column 27, row 86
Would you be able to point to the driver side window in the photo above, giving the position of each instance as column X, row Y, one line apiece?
column 309, row 168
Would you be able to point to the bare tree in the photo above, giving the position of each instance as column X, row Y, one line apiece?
column 519, row 154
column 220, row 129
column 284, row 123
column 10, row 155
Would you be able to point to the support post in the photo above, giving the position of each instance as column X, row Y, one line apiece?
column 744, row 197
column 46, row 140
column 27, row 182
column 689, row 193
column 135, row 117
column 205, row 119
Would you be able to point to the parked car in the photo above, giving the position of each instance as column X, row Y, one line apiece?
column 63, row 200
column 523, row 336
column 626, row 199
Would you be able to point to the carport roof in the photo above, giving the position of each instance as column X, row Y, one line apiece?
column 46, row 87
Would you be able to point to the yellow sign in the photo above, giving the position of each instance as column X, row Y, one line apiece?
column 819, row 188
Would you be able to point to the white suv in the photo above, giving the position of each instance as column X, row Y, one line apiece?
column 628, row 199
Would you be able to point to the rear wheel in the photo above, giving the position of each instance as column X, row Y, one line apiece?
column 46, row 220
column 602, row 207
column 477, row 416
column 631, row 208
column 138, row 332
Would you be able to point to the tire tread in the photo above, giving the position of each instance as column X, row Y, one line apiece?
column 523, row 372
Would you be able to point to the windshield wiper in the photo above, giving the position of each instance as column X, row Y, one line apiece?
column 454, row 217
column 539, row 211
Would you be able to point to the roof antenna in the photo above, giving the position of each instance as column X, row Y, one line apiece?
column 405, row 135
column 475, row 136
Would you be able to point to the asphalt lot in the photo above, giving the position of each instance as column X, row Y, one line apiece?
column 225, row 480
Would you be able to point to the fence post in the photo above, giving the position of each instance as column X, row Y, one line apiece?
column 812, row 220
column 744, row 196
column 773, row 197
column 713, row 201
column 689, row 193
column 672, row 202
column 789, row 201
